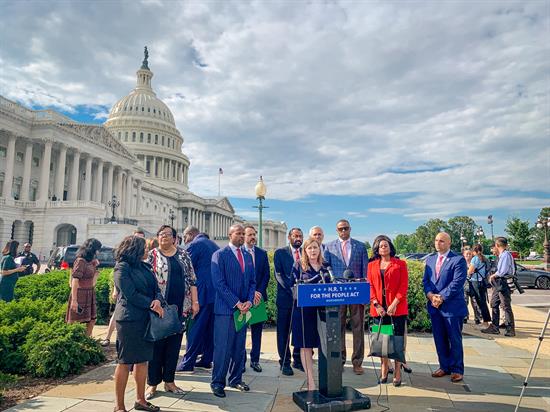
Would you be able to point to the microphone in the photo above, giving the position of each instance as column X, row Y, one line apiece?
column 328, row 270
column 348, row 275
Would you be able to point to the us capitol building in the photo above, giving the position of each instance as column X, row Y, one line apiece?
column 59, row 178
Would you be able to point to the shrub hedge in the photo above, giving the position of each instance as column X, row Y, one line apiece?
column 35, row 339
column 55, row 285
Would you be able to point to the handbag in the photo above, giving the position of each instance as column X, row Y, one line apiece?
column 161, row 328
column 387, row 346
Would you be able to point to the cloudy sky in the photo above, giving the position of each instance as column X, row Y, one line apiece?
column 387, row 113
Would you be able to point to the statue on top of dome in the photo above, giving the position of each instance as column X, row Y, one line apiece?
column 145, row 64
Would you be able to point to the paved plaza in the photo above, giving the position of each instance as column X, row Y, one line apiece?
column 495, row 370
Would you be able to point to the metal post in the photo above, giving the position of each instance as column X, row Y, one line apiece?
column 260, row 224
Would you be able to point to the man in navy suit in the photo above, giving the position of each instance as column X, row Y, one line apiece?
column 444, row 278
column 349, row 258
column 234, row 280
column 200, row 339
column 284, row 259
column 261, row 268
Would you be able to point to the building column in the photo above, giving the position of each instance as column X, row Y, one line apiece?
column 155, row 166
column 88, row 179
column 109, row 191
column 98, row 190
column 27, row 168
column 7, row 190
column 211, row 225
column 45, row 174
column 138, row 197
column 129, row 197
column 73, row 186
column 119, row 189
column 189, row 216
column 60, row 173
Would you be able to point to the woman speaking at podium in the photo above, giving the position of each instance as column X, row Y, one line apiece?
column 389, row 281
column 304, row 320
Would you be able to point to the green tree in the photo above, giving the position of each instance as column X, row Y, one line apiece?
column 461, row 226
column 405, row 243
column 425, row 234
column 520, row 235
column 538, row 234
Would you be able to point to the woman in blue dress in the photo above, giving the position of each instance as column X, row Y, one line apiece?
column 304, row 320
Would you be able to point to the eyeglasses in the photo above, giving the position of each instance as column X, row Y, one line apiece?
column 165, row 234
column 343, row 229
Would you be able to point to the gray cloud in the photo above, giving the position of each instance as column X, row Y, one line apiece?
column 319, row 98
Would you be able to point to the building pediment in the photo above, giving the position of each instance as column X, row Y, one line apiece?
column 223, row 203
column 99, row 136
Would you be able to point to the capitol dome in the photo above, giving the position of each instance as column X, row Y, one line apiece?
column 146, row 126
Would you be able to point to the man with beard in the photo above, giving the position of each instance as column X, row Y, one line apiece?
column 234, row 280
column 284, row 260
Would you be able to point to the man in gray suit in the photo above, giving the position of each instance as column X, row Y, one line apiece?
column 349, row 258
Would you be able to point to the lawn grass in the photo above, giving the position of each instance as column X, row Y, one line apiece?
column 529, row 262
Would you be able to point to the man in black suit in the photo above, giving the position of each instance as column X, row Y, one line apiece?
column 284, row 259
column 261, row 267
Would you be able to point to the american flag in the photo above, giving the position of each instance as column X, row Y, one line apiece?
column 220, row 171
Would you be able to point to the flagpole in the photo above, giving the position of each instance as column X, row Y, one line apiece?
column 219, row 184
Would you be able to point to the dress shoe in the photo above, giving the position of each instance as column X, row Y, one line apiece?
column 203, row 365
column 502, row 326
column 217, row 391
column 243, row 387
column 298, row 366
column 510, row 332
column 491, row 330
column 255, row 367
column 406, row 368
column 244, row 369
column 358, row 370
column 477, row 321
column 287, row 370
column 439, row 373
column 456, row 377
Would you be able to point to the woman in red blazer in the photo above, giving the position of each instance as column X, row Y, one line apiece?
column 389, row 283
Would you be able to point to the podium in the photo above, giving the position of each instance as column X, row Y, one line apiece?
column 331, row 396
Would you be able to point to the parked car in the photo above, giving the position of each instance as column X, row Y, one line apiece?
column 534, row 257
column 63, row 257
column 539, row 279
column 416, row 256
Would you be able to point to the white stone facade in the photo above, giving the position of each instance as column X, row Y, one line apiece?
column 63, row 175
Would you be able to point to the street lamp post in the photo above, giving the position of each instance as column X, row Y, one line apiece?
column 171, row 216
column 479, row 234
column 113, row 204
column 545, row 224
column 260, row 190
column 490, row 222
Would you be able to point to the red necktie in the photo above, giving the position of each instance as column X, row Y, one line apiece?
column 438, row 265
column 240, row 258
column 296, row 256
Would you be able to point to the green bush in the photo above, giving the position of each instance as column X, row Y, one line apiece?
column 419, row 319
column 59, row 349
column 55, row 285
column 35, row 339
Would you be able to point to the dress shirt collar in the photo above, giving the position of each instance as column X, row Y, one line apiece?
column 443, row 254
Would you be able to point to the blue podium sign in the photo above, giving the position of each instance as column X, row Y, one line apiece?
column 333, row 294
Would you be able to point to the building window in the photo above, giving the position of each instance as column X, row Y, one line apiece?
column 148, row 137
column 19, row 156
column 125, row 136
column 154, row 111
column 36, row 161
column 51, row 167
column 141, row 137
column 149, row 110
column 156, row 139
column 3, row 151
column 133, row 136
column 119, row 135
column 148, row 166
column 142, row 109
column 163, row 140
column 130, row 108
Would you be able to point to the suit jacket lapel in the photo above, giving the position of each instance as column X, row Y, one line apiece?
column 339, row 251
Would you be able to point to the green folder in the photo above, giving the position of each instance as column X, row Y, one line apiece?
column 256, row 314
column 386, row 329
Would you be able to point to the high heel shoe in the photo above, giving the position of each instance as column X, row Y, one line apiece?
column 406, row 369
column 383, row 380
column 396, row 382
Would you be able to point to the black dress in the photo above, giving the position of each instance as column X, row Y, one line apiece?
column 399, row 322
column 304, row 320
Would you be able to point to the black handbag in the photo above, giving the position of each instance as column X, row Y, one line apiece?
column 161, row 328
column 387, row 346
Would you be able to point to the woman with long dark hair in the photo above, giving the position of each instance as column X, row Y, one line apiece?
column 138, row 293
column 176, row 279
column 389, row 282
column 9, row 272
column 478, row 271
column 82, row 300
